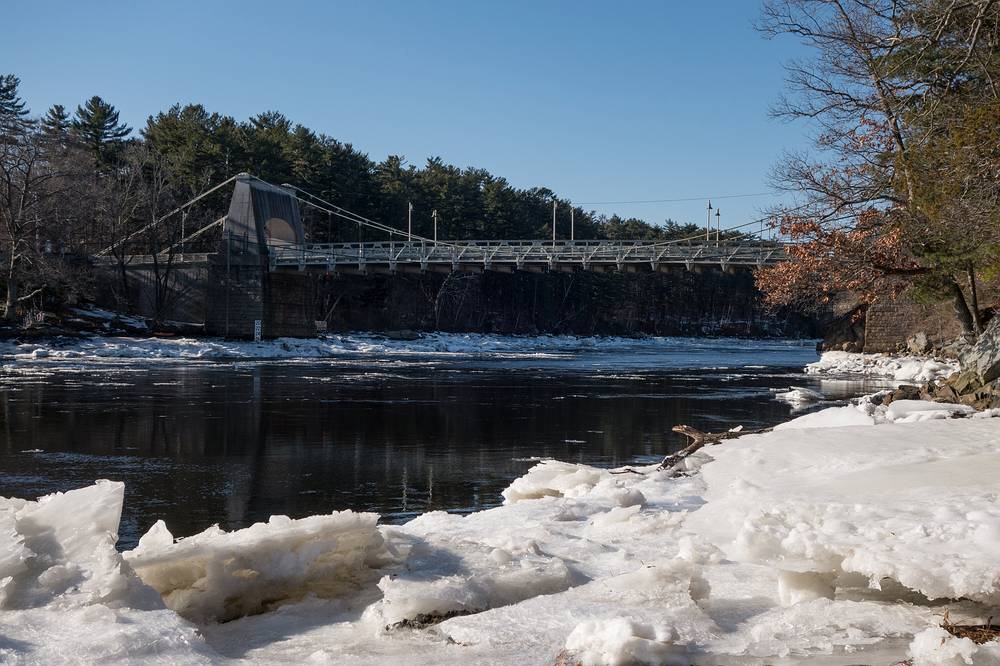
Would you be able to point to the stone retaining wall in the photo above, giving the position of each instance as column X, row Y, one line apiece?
column 889, row 323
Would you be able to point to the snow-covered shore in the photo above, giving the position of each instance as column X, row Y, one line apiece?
column 838, row 543
column 109, row 348
column 898, row 368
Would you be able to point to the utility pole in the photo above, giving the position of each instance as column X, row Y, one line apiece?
column 572, row 225
column 708, row 227
column 183, row 219
column 435, row 216
column 409, row 221
column 718, row 225
column 553, row 223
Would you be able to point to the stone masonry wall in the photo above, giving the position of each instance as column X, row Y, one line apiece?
column 890, row 322
column 246, row 292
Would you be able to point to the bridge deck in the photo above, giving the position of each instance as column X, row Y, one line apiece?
column 524, row 254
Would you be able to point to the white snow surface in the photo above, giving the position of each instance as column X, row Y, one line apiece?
column 799, row 396
column 181, row 348
column 783, row 547
column 894, row 367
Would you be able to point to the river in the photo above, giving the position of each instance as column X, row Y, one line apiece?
column 399, row 429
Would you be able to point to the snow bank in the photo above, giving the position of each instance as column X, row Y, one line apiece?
column 899, row 501
column 898, row 368
column 552, row 478
column 622, row 641
column 669, row 351
column 936, row 646
column 218, row 575
column 648, row 615
column 833, row 417
column 785, row 546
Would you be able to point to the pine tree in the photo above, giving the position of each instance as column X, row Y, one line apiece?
column 13, row 110
column 56, row 121
column 96, row 125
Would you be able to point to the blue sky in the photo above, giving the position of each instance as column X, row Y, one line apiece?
column 600, row 101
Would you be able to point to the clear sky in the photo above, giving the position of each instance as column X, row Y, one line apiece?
column 600, row 101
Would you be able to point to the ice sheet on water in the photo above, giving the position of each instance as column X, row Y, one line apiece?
column 799, row 396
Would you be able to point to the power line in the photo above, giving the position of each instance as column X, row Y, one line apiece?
column 679, row 200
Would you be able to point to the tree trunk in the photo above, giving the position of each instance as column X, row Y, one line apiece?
column 10, row 310
column 962, row 310
column 977, row 317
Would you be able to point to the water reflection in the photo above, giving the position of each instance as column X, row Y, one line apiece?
column 233, row 444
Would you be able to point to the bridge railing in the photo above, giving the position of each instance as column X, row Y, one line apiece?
column 517, row 253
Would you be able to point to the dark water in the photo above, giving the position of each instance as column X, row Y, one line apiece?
column 233, row 443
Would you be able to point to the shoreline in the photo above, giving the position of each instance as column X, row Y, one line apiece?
column 578, row 561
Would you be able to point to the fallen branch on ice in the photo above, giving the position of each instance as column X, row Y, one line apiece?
column 699, row 439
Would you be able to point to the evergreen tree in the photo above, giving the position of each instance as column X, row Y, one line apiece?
column 96, row 125
column 13, row 110
column 201, row 147
column 56, row 121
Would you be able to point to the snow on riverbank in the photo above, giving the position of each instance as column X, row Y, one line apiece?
column 899, row 368
column 780, row 545
column 332, row 346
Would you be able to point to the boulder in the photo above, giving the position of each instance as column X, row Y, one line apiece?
column 845, row 332
column 956, row 347
column 983, row 358
column 964, row 382
column 904, row 392
column 919, row 344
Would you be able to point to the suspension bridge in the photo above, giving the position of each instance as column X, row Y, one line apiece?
column 241, row 277
column 264, row 220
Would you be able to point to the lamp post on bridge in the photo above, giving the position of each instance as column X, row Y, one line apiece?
column 409, row 221
column 708, row 226
column 553, row 223
column 718, row 226
column 434, row 215
column 572, row 225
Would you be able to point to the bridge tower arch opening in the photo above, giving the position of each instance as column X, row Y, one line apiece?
column 261, row 213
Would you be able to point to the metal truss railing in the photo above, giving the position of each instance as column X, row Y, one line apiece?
column 522, row 253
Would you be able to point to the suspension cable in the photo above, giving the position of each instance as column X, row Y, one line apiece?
column 161, row 219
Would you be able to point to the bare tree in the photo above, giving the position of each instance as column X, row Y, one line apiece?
column 886, row 83
column 34, row 177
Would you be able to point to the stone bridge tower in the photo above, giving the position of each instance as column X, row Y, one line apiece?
column 241, row 289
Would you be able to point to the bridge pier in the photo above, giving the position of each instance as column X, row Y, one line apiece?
column 242, row 291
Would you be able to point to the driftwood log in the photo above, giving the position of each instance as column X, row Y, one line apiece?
column 699, row 439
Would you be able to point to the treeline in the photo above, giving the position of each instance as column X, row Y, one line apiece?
column 80, row 182
column 902, row 189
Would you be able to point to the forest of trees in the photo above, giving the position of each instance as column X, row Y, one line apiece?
column 902, row 190
column 73, row 182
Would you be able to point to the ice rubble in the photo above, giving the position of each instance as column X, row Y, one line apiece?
column 777, row 548
column 798, row 396
column 444, row 345
column 218, row 575
column 898, row 368
column 66, row 595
